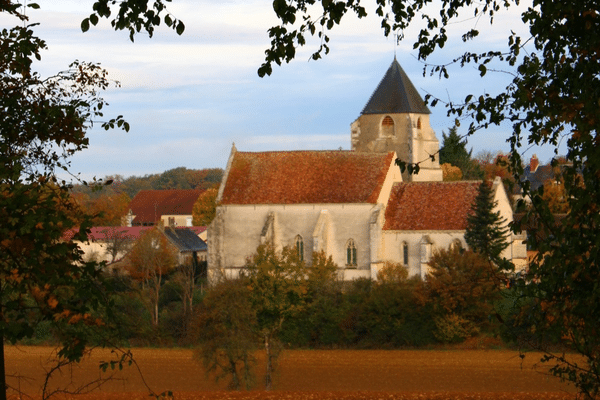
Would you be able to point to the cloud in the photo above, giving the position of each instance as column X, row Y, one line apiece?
column 188, row 98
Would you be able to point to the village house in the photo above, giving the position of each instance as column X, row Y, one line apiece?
column 112, row 243
column 356, row 206
column 172, row 207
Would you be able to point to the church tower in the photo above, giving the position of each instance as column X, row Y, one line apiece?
column 397, row 119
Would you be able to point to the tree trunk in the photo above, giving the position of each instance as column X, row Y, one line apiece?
column 155, row 314
column 268, row 382
column 235, row 380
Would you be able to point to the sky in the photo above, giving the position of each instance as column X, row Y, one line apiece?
column 189, row 98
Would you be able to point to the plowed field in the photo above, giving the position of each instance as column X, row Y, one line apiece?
column 310, row 374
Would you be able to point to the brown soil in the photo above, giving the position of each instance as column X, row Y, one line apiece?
column 305, row 374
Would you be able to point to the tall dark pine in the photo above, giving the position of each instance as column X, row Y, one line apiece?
column 485, row 232
column 454, row 151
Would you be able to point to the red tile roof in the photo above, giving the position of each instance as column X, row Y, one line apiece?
column 305, row 177
column 430, row 205
column 149, row 205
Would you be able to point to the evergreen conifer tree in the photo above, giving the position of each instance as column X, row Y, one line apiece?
column 454, row 151
column 485, row 233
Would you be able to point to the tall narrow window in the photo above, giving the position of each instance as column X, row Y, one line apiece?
column 418, row 123
column 405, row 253
column 300, row 248
column 351, row 253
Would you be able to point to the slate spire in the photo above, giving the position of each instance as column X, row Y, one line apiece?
column 395, row 94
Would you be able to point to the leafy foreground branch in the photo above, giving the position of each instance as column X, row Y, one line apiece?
column 43, row 279
column 551, row 100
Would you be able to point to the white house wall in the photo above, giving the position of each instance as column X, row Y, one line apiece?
column 178, row 220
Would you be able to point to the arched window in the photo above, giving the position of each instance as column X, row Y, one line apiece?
column 387, row 126
column 405, row 254
column 419, row 123
column 299, row 243
column 351, row 253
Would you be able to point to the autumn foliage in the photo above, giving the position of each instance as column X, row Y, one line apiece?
column 107, row 208
column 150, row 259
column 205, row 207
column 451, row 173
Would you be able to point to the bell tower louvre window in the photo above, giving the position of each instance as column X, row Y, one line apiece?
column 387, row 126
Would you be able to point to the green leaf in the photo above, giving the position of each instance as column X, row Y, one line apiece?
column 482, row 69
column 180, row 28
column 85, row 25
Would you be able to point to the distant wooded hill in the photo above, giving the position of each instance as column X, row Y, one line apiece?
column 176, row 178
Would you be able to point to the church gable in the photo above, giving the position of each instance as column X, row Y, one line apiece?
column 305, row 177
column 430, row 206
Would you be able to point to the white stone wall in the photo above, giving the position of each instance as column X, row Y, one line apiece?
column 96, row 251
column 392, row 247
column 235, row 233
column 516, row 249
column 411, row 143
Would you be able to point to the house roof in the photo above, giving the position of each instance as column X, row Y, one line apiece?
column 149, row 205
column 186, row 240
column 538, row 177
column 430, row 205
column 395, row 94
column 305, row 177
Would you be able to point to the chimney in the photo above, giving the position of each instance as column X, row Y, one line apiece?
column 534, row 163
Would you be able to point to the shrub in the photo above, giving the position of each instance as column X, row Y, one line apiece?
column 452, row 328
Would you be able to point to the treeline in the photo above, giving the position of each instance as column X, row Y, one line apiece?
column 108, row 203
column 176, row 178
column 462, row 298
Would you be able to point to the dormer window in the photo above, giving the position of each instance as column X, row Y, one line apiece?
column 387, row 126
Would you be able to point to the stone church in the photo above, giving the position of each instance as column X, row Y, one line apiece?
column 356, row 206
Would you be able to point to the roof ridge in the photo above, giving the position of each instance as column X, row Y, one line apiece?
column 437, row 182
column 317, row 151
